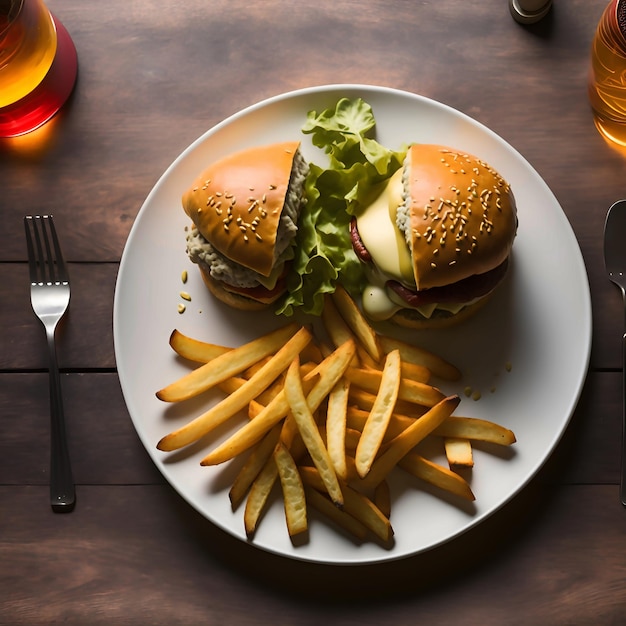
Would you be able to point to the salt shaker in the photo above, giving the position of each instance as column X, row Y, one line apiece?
column 529, row 11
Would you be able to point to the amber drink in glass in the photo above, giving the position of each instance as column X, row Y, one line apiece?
column 38, row 66
column 607, row 81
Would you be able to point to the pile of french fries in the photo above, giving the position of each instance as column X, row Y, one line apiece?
column 329, row 420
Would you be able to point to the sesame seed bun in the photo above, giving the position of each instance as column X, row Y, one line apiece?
column 236, row 203
column 436, row 242
column 462, row 215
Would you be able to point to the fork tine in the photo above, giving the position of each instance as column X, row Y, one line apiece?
column 58, row 255
column 32, row 264
column 49, row 267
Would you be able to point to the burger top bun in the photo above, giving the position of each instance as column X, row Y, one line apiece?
column 461, row 214
column 237, row 201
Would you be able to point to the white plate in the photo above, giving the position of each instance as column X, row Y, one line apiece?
column 539, row 322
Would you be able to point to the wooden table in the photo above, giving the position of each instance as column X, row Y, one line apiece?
column 153, row 77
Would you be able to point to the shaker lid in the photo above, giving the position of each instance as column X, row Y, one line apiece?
column 529, row 11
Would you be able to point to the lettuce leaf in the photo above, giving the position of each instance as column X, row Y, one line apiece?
column 357, row 164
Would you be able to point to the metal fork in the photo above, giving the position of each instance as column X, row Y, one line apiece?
column 50, row 296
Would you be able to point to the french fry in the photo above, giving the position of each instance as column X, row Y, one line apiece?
column 252, row 431
column 258, row 495
column 458, row 452
column 249, row 372
column 312, row 353
column 226, row 365
column 337, row 329
column 413, row 354
column 293, row 491
column 367, row 513
column 336, row 426
column 230, row 385
column 325, row 506
column 407, row 440
column 412, row 371
column 410, row 390
column 366, row 360
column 355, row 504
column 382, row 498
column 378, row 419
column 195, row 350
column 229, row 406
column 350, row 312
column 356, row 419
column 475, row 429
column 317, row 384
column 329, row 422
column 257, row 458
column 371, row 376
column 364, row 400
column 310, row 433
column 436, row 475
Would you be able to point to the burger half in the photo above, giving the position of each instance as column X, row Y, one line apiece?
column 245, row 210
column 436, row 241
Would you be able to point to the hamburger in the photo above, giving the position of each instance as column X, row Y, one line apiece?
column 436, row 241
column 245, row 209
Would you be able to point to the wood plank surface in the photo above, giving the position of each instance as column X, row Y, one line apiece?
column 549, row 558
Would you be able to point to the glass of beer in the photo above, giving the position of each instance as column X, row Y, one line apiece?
column 38, row 66
column 607, row 80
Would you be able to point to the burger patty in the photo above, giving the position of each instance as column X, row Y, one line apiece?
column 465, row 290
column 221, row 268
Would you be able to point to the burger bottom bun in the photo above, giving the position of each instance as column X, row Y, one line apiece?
column 409, row 318
column 235, row 300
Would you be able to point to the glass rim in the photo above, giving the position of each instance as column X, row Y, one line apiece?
column 620, row 16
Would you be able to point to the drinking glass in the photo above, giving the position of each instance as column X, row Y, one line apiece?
column 38, row 66
column 607, row 80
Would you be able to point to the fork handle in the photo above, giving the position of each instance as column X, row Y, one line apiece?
column 622, row 488
column 62, row 493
